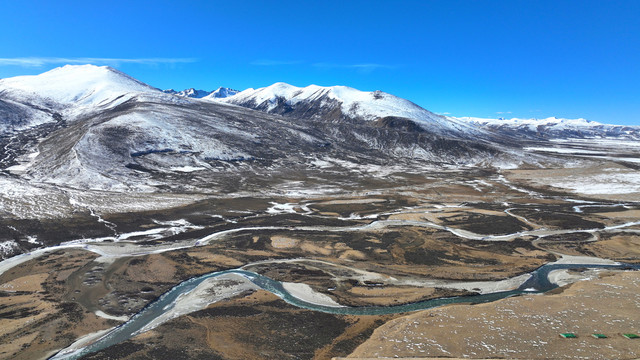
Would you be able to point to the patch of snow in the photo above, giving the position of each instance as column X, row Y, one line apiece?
column 322, row 164
column 288, row 208
column 17, row 169
column 608, row 182
column 187, row 168
column 111, row 317
column 561, row 150
column 180, row 222
column 33, row 240
column 174, row 228
column 8, row 248
column 604, row 142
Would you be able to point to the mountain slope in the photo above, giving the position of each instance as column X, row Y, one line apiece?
column 143, row 145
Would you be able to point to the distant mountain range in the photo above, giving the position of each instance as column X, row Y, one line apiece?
column 221, row 92
column 343, row 102
column 556, row 128
column 98, row 128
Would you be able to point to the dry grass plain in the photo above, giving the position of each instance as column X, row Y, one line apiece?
column 523, row 327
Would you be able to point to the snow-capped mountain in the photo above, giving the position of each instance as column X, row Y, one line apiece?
column 554, row 128
column 341, row 102
column 64, row 93
column 112, row 132
column 87, row 85
column 221, row 92
column 191, row 93
column 93, row 127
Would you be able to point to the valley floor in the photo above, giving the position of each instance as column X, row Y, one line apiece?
column 441, row 236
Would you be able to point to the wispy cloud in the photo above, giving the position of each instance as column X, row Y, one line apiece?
column 364, row 67
column 503, row 112
column 361, row 67
column 268, row 62
column 41, row 61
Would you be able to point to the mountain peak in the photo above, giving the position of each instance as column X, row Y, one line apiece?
column 76, row 84
column 221, row 93
column 191, row 93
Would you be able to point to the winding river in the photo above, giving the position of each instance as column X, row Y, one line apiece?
column 538, row 282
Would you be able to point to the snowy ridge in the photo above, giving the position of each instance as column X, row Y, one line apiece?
column 556, row 127
column 219, row 93
column 364, row 105
column 75, row 85
column 533, row 124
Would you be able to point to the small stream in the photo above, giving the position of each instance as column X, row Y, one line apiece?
column 538, row 282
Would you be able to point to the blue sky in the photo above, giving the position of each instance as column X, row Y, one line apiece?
column 468, row 58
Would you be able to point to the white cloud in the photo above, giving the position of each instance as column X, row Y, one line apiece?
column 365, row 67
column 41, row 61
column 362, row 67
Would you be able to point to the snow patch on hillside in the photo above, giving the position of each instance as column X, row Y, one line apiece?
column 8, row 248
column 15, row 116
column 611, row 181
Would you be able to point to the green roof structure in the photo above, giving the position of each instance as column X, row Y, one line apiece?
column 569, row 335
column 631, row 336
column 599, row 336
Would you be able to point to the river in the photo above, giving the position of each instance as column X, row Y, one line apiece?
column 538, row 282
